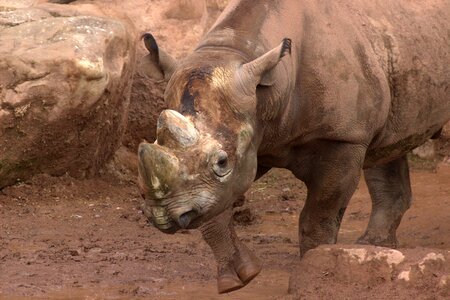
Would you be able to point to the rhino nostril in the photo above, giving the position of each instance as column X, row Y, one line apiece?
column 185, row 219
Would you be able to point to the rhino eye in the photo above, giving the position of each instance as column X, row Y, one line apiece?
column 220, row 167
column 222, row 160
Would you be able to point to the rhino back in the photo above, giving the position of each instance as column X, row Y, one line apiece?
column 413, row 40
column 416, row 36
column 375, row 73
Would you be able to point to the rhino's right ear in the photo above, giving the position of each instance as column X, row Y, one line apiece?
column 157, row 64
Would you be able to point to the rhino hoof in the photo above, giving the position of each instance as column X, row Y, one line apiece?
column 239, row 271
column 228, row 284
column 231, row 279
column 248, row 271
column 367, row 239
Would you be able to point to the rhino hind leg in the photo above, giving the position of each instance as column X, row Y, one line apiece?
column 236, row 264
column 390, row 190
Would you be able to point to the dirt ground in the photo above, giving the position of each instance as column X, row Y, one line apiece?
column 62, row 238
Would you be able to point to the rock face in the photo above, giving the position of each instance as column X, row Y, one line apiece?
column 65, row 77
column 384, row 273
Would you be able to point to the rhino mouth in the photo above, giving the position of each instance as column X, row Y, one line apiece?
column 162, row 220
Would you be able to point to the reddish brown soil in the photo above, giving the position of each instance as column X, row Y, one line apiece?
column 64, row 238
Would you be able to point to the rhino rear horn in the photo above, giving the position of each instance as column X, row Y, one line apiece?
column 175, row 130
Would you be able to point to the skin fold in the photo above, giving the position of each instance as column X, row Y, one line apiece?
column 326, row 89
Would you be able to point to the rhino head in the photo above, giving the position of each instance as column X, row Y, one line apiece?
column 205, row 155
column 189, row 174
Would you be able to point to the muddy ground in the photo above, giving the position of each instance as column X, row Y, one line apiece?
column 62, row 238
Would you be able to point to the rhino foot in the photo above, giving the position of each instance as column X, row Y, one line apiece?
column 247, row 264
column 389, row 241
column 228, row 280
column 238, row 272
column 236, row 264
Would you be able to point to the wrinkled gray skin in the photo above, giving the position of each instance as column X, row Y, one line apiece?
column 363, row 83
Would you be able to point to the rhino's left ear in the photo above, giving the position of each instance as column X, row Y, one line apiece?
column 260, row 70
column 157, row 64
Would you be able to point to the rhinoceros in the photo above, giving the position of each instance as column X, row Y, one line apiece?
column 326, row 89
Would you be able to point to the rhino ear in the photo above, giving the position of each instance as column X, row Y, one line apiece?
column 157, row 64
column 261, row 70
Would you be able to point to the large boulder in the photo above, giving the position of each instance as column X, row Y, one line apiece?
column 369, row 272
column 65, row 79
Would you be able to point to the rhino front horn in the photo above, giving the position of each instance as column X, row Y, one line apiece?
column 158, row 168
column 175, row 130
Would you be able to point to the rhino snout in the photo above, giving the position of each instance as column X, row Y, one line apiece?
column 185, row 219
column 170, row 222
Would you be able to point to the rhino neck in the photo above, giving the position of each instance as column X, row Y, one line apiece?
column 247, row 25
column 245, row 47
column 251, row 28
column 254, row 27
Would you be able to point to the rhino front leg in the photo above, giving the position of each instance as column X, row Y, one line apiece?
column 331, row 175
column 390, row 190
column 236, row 264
